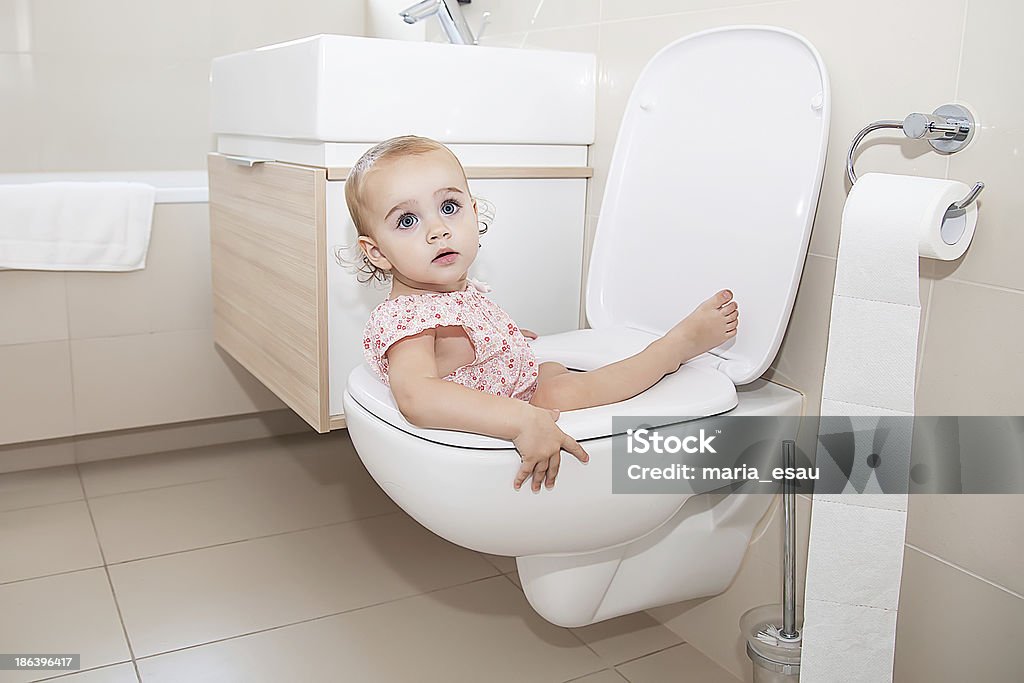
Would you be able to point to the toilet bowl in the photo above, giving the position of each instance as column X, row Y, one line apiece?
column 713, row 184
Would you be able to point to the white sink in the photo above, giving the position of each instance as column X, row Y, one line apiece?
column 348, row 89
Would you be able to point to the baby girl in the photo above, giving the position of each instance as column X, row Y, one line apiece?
column 452, row 357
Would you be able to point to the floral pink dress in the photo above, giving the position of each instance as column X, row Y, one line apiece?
column 505, row 364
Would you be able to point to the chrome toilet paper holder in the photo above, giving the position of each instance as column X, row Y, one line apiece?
column 948, row 129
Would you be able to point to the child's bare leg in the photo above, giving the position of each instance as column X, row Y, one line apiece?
column 710, row 324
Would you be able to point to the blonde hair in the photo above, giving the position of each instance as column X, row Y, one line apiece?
column 355, row 189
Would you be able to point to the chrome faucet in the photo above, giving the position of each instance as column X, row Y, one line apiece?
column 448, row 13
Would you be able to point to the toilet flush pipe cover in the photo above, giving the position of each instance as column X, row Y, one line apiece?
column 713, row 184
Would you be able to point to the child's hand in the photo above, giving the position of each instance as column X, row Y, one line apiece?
column 529, row 334
column 540, row 443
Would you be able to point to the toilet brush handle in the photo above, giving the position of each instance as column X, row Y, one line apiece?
column 789, row 544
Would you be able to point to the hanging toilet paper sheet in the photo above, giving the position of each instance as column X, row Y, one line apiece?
column 855, row 554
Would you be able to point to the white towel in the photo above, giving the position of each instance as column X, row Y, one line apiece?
column 75, row 225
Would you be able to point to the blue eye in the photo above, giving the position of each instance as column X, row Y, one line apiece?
column 407, row 220
column 450, row 207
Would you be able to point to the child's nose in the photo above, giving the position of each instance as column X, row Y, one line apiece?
column 439, row 229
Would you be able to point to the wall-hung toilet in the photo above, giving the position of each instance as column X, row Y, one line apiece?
column 713, row 184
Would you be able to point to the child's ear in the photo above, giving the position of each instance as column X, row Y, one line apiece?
column 373, row 253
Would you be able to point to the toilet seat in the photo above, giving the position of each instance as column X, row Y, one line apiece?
column 695, row 390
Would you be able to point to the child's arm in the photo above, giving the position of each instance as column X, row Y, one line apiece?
column 431, row 402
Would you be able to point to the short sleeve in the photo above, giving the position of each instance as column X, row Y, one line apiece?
column 403, row 317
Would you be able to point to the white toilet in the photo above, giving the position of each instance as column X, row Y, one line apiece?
column 713, row 184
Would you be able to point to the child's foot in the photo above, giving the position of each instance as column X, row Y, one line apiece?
column 712, row 323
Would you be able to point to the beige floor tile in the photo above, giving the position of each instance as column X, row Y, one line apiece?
column 220, row 507
column 230, row 590
column 70, row 613
column 478, row 631
column 120, row 673
column 627, row 637
column 47, row 540
column 606, row 676
column 39, row 487
column 712, row 624
column 680, row 664
column 505, row 565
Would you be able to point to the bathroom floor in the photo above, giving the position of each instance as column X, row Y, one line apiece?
column 279, row 560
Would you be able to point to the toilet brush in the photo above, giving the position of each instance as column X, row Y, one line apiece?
column 775, row 648
column 789, row 633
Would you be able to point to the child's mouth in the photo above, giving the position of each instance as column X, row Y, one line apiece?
column 446, row 257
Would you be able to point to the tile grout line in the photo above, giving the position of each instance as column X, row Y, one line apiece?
column 60, row 677
column 318, row 618
column 256, row 538
column 706, row 10
column 110, row 582
column 979, row 577
column 649, row 654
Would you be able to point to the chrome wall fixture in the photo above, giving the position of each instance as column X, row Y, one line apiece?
column 948, row 129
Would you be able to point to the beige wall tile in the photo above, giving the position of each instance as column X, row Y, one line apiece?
column 49, row 539
column 984, row 534
column 123, row 443
column 33, row 305
column 994, row 256
column 18, row 96
column 615, row 10
column 973, row 352
column 572, row 39
column 37, row 454
column 246, row 24
column 487, row 627
column 35, row 396
column 123, row 29
column 39, row 487
column 244, row 587
column 125, row 382
column 37, row 619
column 13, row 24
column 935, row 598
column 516, row 16
column 100, row 112
column 172, row 293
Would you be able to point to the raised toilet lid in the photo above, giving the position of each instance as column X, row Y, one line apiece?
column 713, row 184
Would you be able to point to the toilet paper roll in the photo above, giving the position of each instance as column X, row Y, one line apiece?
column 890, row 220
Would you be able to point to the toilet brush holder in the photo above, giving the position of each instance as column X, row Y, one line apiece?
column 773, row 632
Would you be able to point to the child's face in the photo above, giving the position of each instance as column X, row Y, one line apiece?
column 419, row 212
